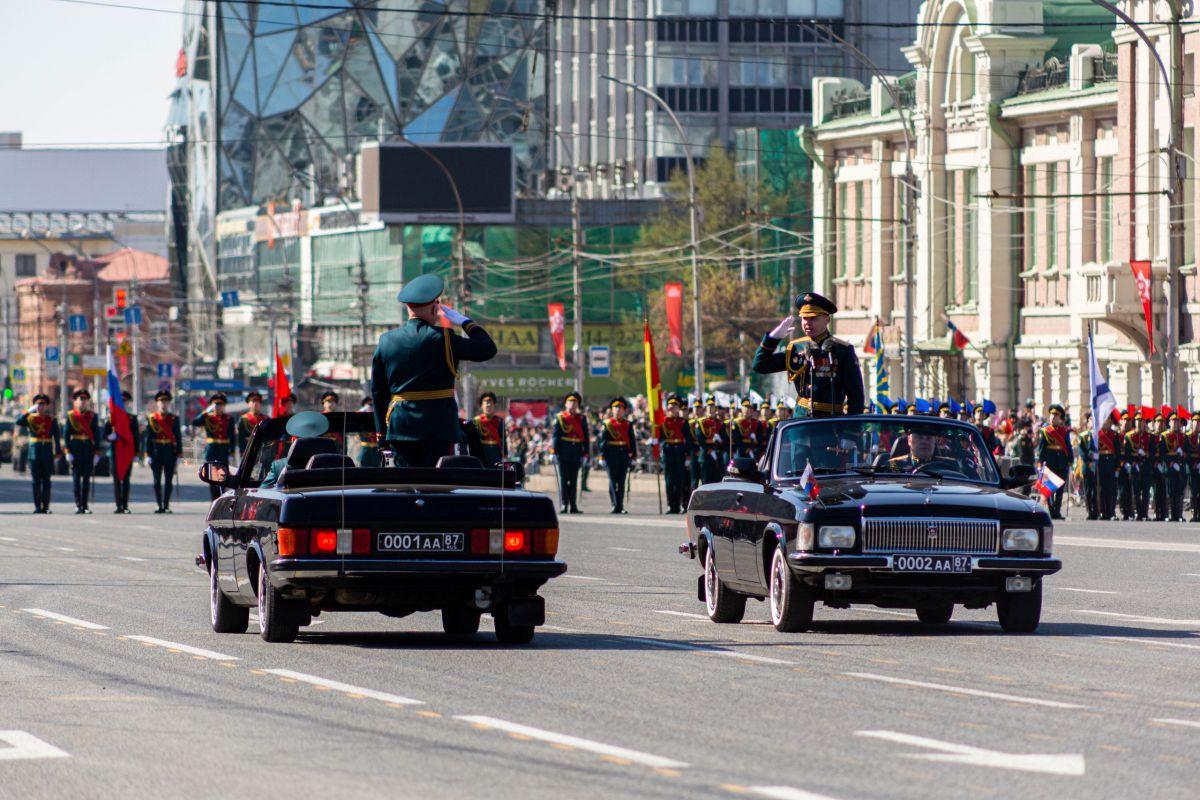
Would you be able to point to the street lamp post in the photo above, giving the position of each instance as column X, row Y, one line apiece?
column 693, row 214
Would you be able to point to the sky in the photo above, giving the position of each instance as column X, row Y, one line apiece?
column 88, row 74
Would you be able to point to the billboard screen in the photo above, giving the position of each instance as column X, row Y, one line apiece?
column 403, row 183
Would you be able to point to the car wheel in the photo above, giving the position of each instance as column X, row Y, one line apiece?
column 1020, row 612
column 936, row 614
column 723, row 604
column 226, row 617
column 512, row 634
column 460, row 620
column 791, row 601
column 274, row 614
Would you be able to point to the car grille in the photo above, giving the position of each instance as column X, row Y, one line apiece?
column 926, row 535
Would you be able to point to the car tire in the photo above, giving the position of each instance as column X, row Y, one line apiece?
column 1020, row 612
column 791, row 601
column 460, row 621
column 513, row 634
column 722, row 603
column 938, row 614
column 226, row 617
column 275, row 615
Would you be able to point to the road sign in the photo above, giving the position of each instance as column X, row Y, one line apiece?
column 125, row 349
column 166, row 370
column 212, row 386
column 95, row 366
column 205, row 371
column 599, row 365
column 230, row 299
column 18, row 374
column 133, row 315
column 52, row 354
column 77, row 323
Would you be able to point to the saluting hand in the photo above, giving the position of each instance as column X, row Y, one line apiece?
column 455, row 317
column 781, row 330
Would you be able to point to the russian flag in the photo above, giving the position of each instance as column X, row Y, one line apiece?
column 808, row 482
column 123, row 447
column 1048, row 483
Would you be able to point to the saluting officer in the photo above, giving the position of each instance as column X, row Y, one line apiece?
column 45, row 444
column 368, row 452
column 489, row 426
column 163, row 447
column 571, row 442
column 823, row 369
column 218, row 433
column 413, row 375
column 1054, row 452
column 1173, row 447
column 678, row 444
column 121, row 487
column 619, row 448
column 248, row 422
column 83, row 445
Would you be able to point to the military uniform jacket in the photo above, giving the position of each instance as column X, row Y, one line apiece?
column 245, row 426
column 1173, row 450
column 83, row 430
column 825, row 372
column 677, row 432
column 45, row 439
column 490, row 429
column 618, row 433
column 1054, row 444
column 743, row 433
column 708, row 430
column 1139, row 448
column 570, row 431
column 412, row 379
column 1193, row 449
column 162, row 431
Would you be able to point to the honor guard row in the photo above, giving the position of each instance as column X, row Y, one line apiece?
column 1142, row 464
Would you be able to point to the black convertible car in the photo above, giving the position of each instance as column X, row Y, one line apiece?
column 332, row 536
column 896, row 512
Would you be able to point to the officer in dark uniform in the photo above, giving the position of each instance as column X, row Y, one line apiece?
column 368, row 452
column 571, row 443
column 45, row 444
column 920, row 447
column 1193, row 439
column 1173, row 455
column 248, row 421
column 1089, row 455
column 823, row 369
column 618, row 446
column 413, row 374
column 1125, row 500
column 218, row 435
column 678, row 443
column 1108, row 466
column 121, row 487
column 83, row 447
column 163, row 446
column 695, row 415
column 489, row 426
column 1054, row 452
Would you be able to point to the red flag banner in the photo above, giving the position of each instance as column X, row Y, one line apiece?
column 279, row 386
column 1141, row 276
column 675, row 318
column 654, row 402
column 558, row 332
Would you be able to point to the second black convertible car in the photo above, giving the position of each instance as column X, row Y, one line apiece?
column 301, row 530
column 896, row 512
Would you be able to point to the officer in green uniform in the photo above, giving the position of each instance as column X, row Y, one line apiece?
column 121, row 487
column 163, row 447
column 218, row 435
column 413, row 374
column 83, row 447
column 823, row 369
column 45, row 444
column 368, row 452
column 618, row 445
column 570, row 439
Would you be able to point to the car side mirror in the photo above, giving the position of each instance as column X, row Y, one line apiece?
column 744, row 468
column 1020, row 475
column 214, row 473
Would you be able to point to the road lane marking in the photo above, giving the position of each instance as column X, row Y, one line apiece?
column 587, row 745
column 1138, row 618
column 130, row 558
column 1184, row 723
column 941, row 687
column 79, row 623
column 785, row 793
column 7, row 539
column 582, row 578
column 1084, row 591
column 708, row 650
column 183, row 648
column 1152, row 642
column 345, row 687
column 682, row 614
column 1054, row 764
column 66, row 549
column 1127, row 544
column 635, row 522
column 621, row 549
column 22, row 745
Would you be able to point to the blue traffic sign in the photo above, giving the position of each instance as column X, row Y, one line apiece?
column 133, row 315
column 230, row 299
column 77, row 323
column 52, row 353
column 166, row 370
column 599, row 361
column 18, row 374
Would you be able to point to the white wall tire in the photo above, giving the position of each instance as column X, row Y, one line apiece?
column 226, row 617
column 791, row 602
column 723, row 604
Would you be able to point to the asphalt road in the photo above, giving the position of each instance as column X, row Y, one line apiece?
column 114, row 684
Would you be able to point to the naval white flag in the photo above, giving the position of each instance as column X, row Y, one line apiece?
column 1103, row 402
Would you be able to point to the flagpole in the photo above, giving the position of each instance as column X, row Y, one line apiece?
column 1095, row 415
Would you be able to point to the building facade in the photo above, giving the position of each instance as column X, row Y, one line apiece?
column 1037, row 156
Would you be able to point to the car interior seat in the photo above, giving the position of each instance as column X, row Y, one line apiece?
column 459, row 462
column 302, row 450
column 330, row 461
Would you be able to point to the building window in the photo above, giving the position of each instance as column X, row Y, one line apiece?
column 26, row 265
column 843, row 229
column 1032, row 206
column 953, row 220
column 1051, row 215
column 1189, row 196
column 860, row 227
column 960, row 84
column 1107, row 220
column 899, row 233
column 970, row 258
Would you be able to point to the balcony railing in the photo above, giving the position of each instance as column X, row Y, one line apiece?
column 847, row 103
column 906, row 89
column 1051, row 75
column 1104, row 68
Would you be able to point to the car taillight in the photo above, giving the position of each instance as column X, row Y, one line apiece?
column 545, row 541
column 362, row 541
column 514, row 541
column 292, row 541
column 324, row 541
column 517, row 542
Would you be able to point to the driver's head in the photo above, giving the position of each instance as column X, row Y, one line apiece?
column 920, row 445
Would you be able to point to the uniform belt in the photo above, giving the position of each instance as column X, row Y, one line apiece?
column 35, row 440
column 816, row 405
column 164, row 441
column 573, row 441
column 216, row 441
column 431, row 394
column 77, row 438
column 370, row 444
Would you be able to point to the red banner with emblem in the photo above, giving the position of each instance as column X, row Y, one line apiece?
column 1141, row 276
column 558, row 332
column 674, row 318
column 654, row 403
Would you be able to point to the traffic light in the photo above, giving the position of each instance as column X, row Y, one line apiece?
column 119, row 296
column 8, row 390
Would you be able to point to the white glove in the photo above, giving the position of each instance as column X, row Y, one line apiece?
column 1141, row 452
column 149, row 461
column 95, row 460
column 112, row 437
column 32, row 409
column 210, row 408
column 652, row 442
column 70, row 458
column 780, row 330
column 455, row 317
column 717, row 438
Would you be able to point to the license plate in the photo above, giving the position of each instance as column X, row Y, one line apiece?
column 931, row 564
column 420, row 542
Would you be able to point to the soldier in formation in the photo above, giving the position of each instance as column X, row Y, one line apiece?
column 678, row 445
column 163, row 446
column 83, row 447
column 45, row 445
column 218, row 435
column 618, row 447
column 571, row 443
column 121, row 487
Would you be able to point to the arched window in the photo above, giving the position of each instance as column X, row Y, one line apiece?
column 960, row 85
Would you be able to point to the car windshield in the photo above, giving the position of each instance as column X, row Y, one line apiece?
column 884, row 446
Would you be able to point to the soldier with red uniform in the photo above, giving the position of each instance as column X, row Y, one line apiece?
column 1173, row 455
column 710, row 442
column 618, row 446
column 163, row 447
column 1054, row 453
column 83, row 447
column 489, row 426
column 249, row 421
column 743, row 432
column 678, row 443
column 1193, row 450
column 218, row 435
column 571, row 443
column 1139, row 450
column 45, row 445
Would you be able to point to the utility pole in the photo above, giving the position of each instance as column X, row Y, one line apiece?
column 1178, row 169
column 134, row 324
column 577, row 282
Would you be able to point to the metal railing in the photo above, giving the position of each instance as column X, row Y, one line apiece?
column 847, row 103
column 1051, row 75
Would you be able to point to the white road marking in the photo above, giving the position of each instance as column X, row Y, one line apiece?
column 708, row 650
column 7, row 539
column 1184, row 574
column 91, row 626
column 636, row 756
column 625, row 549
column 1138, row 618
column 638, row 522
column 1127, row 544
column 22, row 745
column 951, row 753
column 184, row 648
column 66, row 549
column 1185, row 723
column 941, row 687
column 1084, row 591
column 889, row 612
column 345, row 687
column 1152, row 642
column 582, row 578
column 785, row 793
column 130, row 558
column 683, row 614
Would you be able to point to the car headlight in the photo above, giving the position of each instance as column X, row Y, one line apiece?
column 836, row 536
column 1019, row 539
column 804, row 536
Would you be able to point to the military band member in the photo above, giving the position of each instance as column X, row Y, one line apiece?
column 679, row 444
column 1173, row 456
column 368, row 451
column 983, row 415
column 571, row 443
column 45, row 445
column 163, row 446
column 413, row 375
column 1054, row 453
column 710, row 444
column 1139, row 457
column 121, row 487
column 743, row 432
column 218, row 435
column 248, row 421
column 823, row 369
column 490, row 427
column 619, row 449
column 1108, row 467
column 83, row 447
column 1193, row 440
column 1125, row 495
column 1089, row 456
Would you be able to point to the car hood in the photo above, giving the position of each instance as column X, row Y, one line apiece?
column 890, row 497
